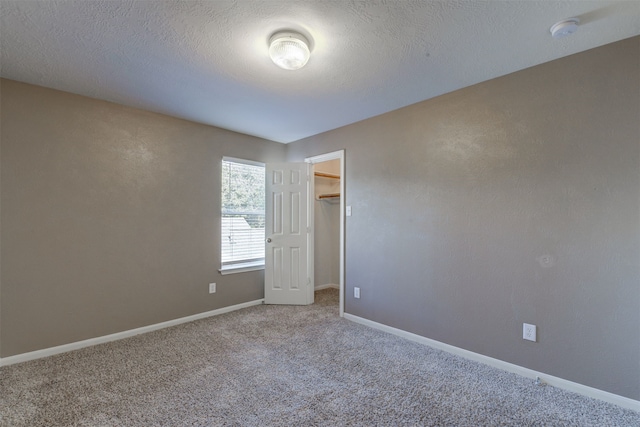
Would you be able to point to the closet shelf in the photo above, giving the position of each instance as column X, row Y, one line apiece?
column 326, row 175
column 328, row 197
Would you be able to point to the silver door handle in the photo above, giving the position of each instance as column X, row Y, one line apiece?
column 269, row 240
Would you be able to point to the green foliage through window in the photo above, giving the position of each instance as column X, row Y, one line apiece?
column 243, row 212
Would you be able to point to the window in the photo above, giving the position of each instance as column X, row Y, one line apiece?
column 243, row 215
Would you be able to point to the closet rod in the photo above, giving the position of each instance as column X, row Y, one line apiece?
column 327, row 175
column 328, row 196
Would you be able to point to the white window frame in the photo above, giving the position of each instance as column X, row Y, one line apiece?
column 238, row 267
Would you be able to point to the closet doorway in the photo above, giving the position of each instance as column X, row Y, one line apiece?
column 328, row 207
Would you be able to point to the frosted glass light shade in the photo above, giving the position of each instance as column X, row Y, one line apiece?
column 289, row 50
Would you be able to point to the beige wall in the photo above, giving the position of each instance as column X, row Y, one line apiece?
column 515, row 200
column 110, row 218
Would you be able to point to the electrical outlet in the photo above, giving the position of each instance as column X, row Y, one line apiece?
column 529, row 332
column 212, row 288
column 356, row 292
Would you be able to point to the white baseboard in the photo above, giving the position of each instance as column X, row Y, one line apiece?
column 584, row 390
column 326, row 286
column 38, row 354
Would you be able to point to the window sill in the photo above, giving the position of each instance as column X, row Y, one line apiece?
column 241, row 267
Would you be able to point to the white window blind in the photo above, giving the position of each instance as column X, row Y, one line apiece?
column 243, row 213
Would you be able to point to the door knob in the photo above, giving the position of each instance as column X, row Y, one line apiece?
column 269, row 240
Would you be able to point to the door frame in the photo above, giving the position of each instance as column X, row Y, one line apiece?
column 340, row 154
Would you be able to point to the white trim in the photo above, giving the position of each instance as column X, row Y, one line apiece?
column 38, row 354
column 243, row 161
column 340, row 154
column 325, row 157
column 584, row 390
column 327, row 286
column 242, row 267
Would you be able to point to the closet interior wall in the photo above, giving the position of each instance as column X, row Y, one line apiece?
column 327, row 224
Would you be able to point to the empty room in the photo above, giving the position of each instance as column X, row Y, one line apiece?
column 319, row 213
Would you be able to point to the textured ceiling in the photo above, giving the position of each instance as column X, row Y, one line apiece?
column 207, row 61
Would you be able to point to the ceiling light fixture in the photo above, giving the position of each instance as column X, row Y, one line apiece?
column 289, row 50
column 564, row 28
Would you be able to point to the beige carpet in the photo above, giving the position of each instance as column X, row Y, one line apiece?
column 282, row 366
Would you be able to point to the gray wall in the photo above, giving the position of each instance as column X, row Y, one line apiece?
column 515, row 200
column 110, row 218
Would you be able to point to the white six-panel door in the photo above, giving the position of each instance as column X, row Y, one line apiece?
column 288, row 224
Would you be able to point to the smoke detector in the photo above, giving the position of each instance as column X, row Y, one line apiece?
column 564, row 28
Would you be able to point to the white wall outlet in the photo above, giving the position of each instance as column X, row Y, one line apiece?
column 356, row 292
column 529, row 332
column 212, row 288
column 348, row 213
